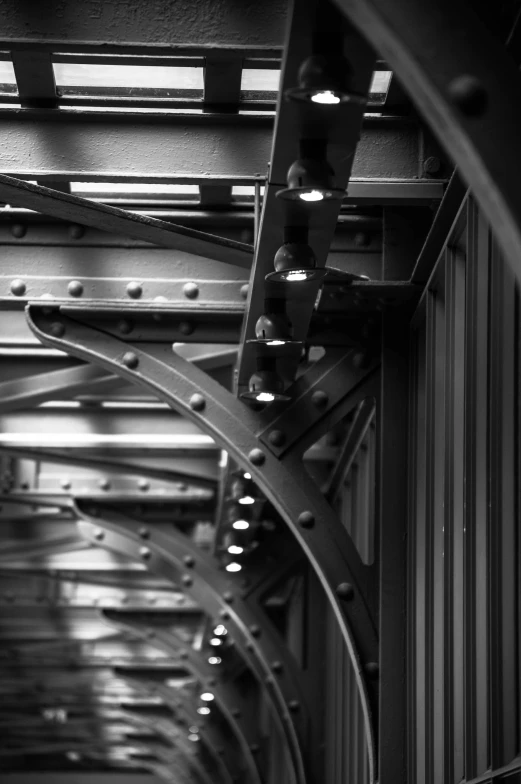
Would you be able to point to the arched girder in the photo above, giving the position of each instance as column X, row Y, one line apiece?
column 228, row 697
column 167, row 553
column 323, row 539
column 467, row 87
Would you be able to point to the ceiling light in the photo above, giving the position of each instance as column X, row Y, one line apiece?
column 220, row 630
column 203, row 710
column 274, row 328
column 295, row 260
column 246, row 500
column 216, row 641
column 207, row 696
column 241, row 525
column 235, row 549
column 265, row 386
column 310, row 177
column 325, row 79
column 247, row 476
column 233, row 567
column 214, row 660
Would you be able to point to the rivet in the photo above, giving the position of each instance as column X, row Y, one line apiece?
column 76, row 231
column 183, row 654
column 75, row 288
column 236, row 713
column 143, row 485
column 306, row 519
column 144, row 553
column 345, row 591
column 372, row 669
column 245, row 289
column 225, row 615
column 319, row 398
column 187, row 580
column 359, row 359
column 197, row 402
column 18, row 230
column 104, row 484
column 125, row 326
column 431, row 165
column 99, row 534
column 257, row 457
column 18, row 287
column 249, row 646
column 189, row 561
column 191, row 290
column 469, row 94
column 255, row 631
column 65, row 484
column 277, row 437
column 134, row 289
column 130, row 360
column 362, row 239
column 185, row 328
column 294, row 706
column 277, row 666
column 144, row 533
column 228, row 597
column 57, row 329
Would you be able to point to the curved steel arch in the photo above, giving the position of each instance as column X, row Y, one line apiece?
column 284, row 480
column 168, row 553
column 229, row 698
column 468, row 89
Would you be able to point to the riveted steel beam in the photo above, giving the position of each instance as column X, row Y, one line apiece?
column 229, row 698
column 115, row 220
column 220, row 596
column 467, row 87
column 348, row 584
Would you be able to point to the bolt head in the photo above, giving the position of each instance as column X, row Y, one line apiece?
column 75, row 288
column 134, row 290
column 185, row 328
column 191, row 290
column 245, row 291
column 130, row 360
column 57, row 329
column 189, row 561
column 306, row 519
column 277, row 438
column 197, row 402
column 372, row 670
column 345, row 591
column 319, row 398
column 99, row 534
column 469, row 95
column 257, row 457
column 187, row 580
column 431, row 165
column 18, row 230
column 18, row 287
column 76, row 231
column 144, row 533
column 255, row 631
column 125, row 326
column 144, row 553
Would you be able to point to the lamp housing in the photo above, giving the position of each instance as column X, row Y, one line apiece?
column 326, row 80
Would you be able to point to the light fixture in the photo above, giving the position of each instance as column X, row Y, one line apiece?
column 274, row 328
column 325, row 79
column 214, row 660
column 233, row 567
column 265, row 386
column 241, row 525
column 207, row 696
column 247, row 476
column 203, row 710
column 245, row 500
column 311, row 178
column 220, row 630
column 235, row 549
column 215, row 641
column 295, row 261
column 193, row 737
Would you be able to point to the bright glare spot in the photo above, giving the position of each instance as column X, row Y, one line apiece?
column 241, row 525
column 193, row 729
column 73, row 756
column 247, row 476
column 58, row 715
column 296, row 276
column 247, row 499
column 193, row 737
column 265, row 397
column 312, row 196
column 233, row 567
column 203, row 711
column 220, row 630
column 207, row 696
column 216, row 641
column 326, row 96
column 275, row 343
column 214, row 660
column 234, row 549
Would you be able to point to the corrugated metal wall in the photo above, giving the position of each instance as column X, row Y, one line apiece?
column 464, row 543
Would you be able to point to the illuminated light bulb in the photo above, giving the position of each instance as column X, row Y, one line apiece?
column 311, row 196
column 203, row 710
column 247, row 476
column 275, row 343
column 233, row 567
column 295, row 277
column 247, row 499
column 234, row 549
column 241, row 525
column 265, row 397
column 214, row 660
column 220, row 630
column 326, row 96
column 216, row 641
column 207, row 696
column 193, row 737
column 193, row 729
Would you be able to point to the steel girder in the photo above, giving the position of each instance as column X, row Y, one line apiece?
column 229, row 698
column 466, row 85
column 349, row 585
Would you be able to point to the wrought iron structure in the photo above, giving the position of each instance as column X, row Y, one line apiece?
column 259, row 426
